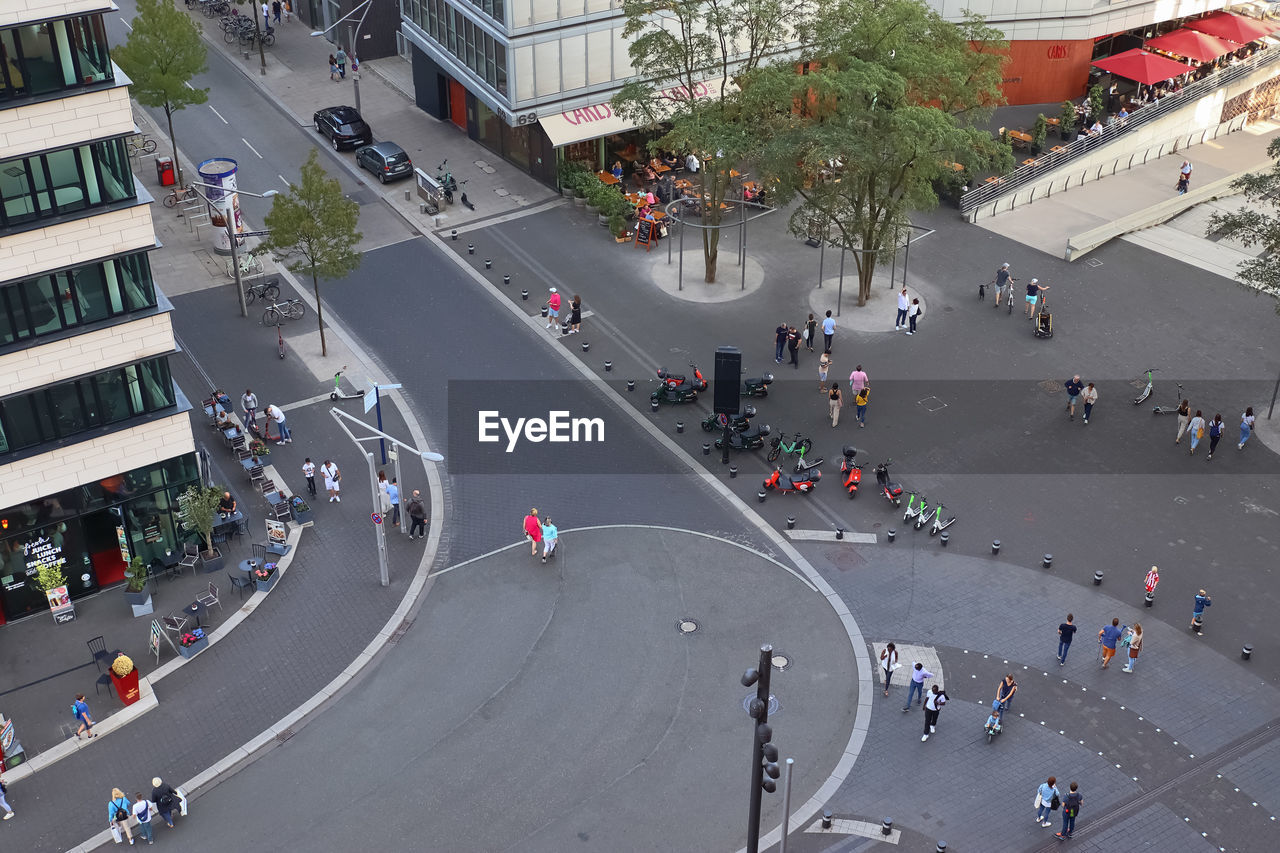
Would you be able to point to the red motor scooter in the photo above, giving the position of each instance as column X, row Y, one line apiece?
column 802, row 483
column 891, row 491
column 851, row 470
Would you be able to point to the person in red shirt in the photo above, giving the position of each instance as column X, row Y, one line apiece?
column 533, row 530
column 553, row 309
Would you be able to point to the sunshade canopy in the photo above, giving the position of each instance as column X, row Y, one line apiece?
column 1235, row 28
column 1142, row 66
column 1192, row 44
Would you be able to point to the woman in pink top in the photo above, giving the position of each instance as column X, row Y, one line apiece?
column 533, row 530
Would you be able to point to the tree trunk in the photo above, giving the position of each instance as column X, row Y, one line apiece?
column 864, row 280
column 710, row 254
column 262, row 54
column 315, row 285
column 173, row 140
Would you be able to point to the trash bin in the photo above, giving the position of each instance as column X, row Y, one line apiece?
column 164, row 171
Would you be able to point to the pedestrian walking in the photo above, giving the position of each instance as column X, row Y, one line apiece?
column 828, row 332
column 1184, row 174
column 550, row 536
column 933, row 702
column 384, row 499
column 903, row 304
column 1070, row 809
column 1246, row 427
column 417, row 516
column 914, row 313
column 793, row 346
column 393, row 493
column 575, row 315
column 1184, row 418
column 118, row 809
column 833, row 403
column 4, row 802
column 1196, row 428
column 1047, row 799
column 1108, row 637
column 81, row 711
column 142, row 814
column 1003, row 282
column 1152, row 580
column 824, row 364
column 249, row 403
column 918, row 675
column 858, row 379
column 165, row 798
column 1074, row 387
column 276, row 415
column 333, row 68
column 266, row 16
column 860, row 405
column 1005, row 690
column 288, row 10
column 1033, row 295
column 780, row 339
column 553, row 308
column 1197, row 614
column 309, row 471
column 341, row 58
column 810, row 332
column 1135, row 646
column 275, row 10
column 1066, row 633
column 332, row 480
column 1216, row 428
column 533, row 531
column 1090, row 396
column 888, row 664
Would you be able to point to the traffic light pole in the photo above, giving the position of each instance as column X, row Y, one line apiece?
column 757, row 750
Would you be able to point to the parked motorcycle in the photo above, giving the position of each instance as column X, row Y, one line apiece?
column 738, row 423
column 751, row 439
column 891, row 491
column 674, row 388
column 802, row 483
column 851, row 470
column 757, row 386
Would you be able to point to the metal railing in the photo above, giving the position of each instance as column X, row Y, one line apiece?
column 1047, row 162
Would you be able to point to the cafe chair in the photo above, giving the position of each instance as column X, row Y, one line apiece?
column 240, row 583
column 267, row 486
column 244, row 453
column 281, row 511
column 256, row 474
column 98, row 648
column 190, row 555
column 259, row 552
column 174, row 623
column 210, row 598
column 238, row 443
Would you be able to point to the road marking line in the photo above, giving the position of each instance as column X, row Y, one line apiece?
column 850, row 538
column 250, row 147
column 126, row 25
column 282, row 180
column 319, row 398
column 218, row 114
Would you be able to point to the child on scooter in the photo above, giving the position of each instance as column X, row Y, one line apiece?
column 993, row 721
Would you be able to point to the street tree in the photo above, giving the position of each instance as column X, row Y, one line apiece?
column 161, row 55
column 1256, row 223
column 888, row 100
column 313, row 231
column 692, row 55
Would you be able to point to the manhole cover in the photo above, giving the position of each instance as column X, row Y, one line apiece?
column 773, row 703
column 1093, row 262
column 931, row 404
column 686, row 626
column 1050, row 386
column 781, row 661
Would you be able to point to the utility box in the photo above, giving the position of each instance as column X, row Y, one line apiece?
column 164, row 171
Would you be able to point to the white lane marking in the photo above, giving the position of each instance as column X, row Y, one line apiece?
column 298, row 404
column 850, row 538
column 218, row 114
column 282, row 180
column 188, row 85
column 126, row 25
column 250, row 147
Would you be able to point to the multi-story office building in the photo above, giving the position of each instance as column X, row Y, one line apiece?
column 95, row 440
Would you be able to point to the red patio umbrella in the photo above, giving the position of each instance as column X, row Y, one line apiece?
column 1142, row 66
column 1192, row 44
column 1235, row 28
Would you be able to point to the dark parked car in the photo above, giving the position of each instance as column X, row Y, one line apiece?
column 386, row 160
column 343, row 126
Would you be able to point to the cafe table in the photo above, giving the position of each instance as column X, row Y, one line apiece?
column 195, row 610
column 608, row 178
column 223, row 522
column 249, row 464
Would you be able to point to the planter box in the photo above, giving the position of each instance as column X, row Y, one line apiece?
column 210, row 564
column 303, row 518
column 266, row 585
column 579, row 201
column 194, row 649
column 127, row 687
column 140, row 608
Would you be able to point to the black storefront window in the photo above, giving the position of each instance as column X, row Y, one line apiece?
column 37, row 59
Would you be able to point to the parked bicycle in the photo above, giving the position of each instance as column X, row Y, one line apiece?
column 250, row 34
column 267, row 291
column 278, row 312
column 141, row 144
column 249, row 265
column 178, row 194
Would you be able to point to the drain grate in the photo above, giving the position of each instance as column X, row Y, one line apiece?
column 284, row 735
column 687, row 626
column 399, row 632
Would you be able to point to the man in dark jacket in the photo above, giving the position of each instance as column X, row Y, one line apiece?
column 417, row 515
column 165, row 798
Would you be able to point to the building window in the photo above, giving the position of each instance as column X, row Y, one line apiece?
column 56, row 183
column 458, row 36
column 61, row 300
column 36, row 59
column 60, row 411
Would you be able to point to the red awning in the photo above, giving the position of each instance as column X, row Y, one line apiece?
column 1235, row 28
column 1142, row 66
column 1192, row 44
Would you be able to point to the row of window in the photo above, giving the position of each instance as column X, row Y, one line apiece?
column 495, row 9
column 56, row 183
column 61, row 300
column 60, row 411
column 474, row 47
column 36, row 59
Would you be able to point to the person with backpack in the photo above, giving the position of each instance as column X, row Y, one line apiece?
column 417, row 516
column 1047, row 799
column 165, row 798
column 118, row 810
column 80, row 710
column 1216, row 428
column 142, row 812
column 1070, row 809
column 4, row 803
column 933, row 702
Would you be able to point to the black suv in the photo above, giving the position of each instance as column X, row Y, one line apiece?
column 343, row 126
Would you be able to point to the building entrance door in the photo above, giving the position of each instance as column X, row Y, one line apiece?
column 458, row 104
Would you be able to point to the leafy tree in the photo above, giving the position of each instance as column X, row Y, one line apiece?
column 313, row 230
column 889, row 100
column 199, row 509
column 1257, row 223
column 161, row 55
column 691, row 53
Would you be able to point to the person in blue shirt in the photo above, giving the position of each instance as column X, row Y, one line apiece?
column 993, row 721
column 617, row 169
column 549, row 538
column 118, row 810
column 1108, row 637
column 1048, row 790
column 393, row 492
column 1197, row 614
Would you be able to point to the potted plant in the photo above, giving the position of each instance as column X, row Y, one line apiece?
column 1097, row 103
column 1038, row 132
column 258, row 448
column 49, row 577
column 569, row 173
column 124, row 675
column 618, row 228
column 200, row 514
column 303, row 515
column 1067, row 121
column 265, row 577
column 193, row 642
column 135, row 588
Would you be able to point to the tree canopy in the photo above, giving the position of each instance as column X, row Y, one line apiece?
column 313, row 230
column 1257, row 223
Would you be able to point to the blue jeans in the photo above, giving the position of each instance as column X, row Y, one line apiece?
column 1044, row 811
column 916, row 689
column 1245, row 431
column 862, row 414
column 144, row 829
column 1063, row 648
column 1068, row 823
column 777, row 356
column 284, row 431
column 902, row 317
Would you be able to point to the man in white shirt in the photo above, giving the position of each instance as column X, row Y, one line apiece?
column 275, row 415
column 903, row 304
column 691, row 163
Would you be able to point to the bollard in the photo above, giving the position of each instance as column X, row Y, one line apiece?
column 653, row 405
column 408, row 195
column 1048, row 561
column 488, row 263
column 506, row 278
column 839, row 532
column 1097, row 578
column 995, row 546
column 1246, row 652
column 545, row 309
column 943, row 537
column 585, row 346
column 631, row 385
column 1149, row 599
column 524, row 295
column 941, row 848
column 608, row 366
column 564, row 328
column 791, row 522
column 454, row 234
column 733, row 471
column 422, row 207
column 826, row 818
column 886, row 826
column 471, row 248
column 893, row 534
column 706, row 445
column 760, row 496
column 1197, row 624
column 680, row 429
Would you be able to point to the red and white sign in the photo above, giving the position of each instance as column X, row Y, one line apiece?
column 601, row 120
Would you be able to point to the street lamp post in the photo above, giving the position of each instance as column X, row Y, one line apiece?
column 351, row 43
column 228, row 217
column 380, row 533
